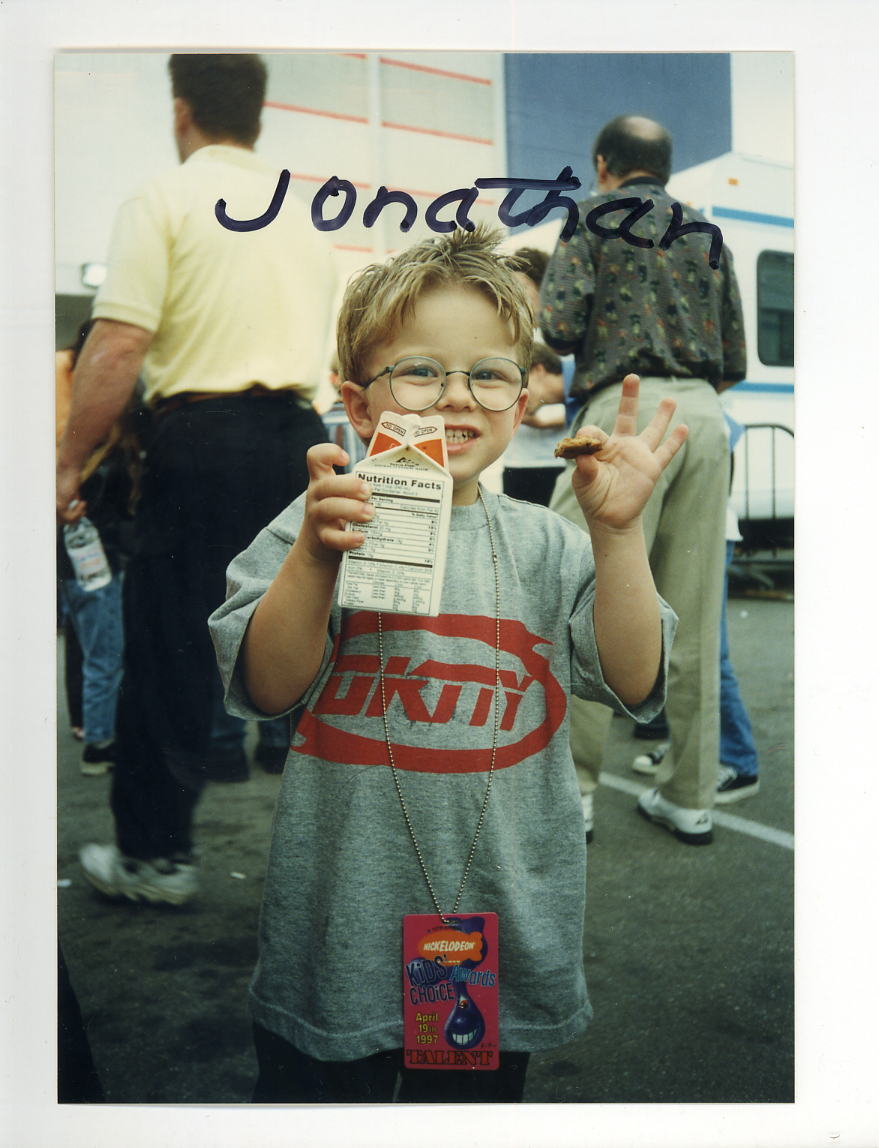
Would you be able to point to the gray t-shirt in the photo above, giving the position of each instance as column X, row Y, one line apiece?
column 342, row 868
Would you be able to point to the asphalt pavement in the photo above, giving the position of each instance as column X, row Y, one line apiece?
column 688, row 951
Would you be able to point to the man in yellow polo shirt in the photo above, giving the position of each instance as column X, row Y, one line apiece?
column 228, row 331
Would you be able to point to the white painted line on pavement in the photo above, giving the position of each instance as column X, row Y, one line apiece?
column 727, row 820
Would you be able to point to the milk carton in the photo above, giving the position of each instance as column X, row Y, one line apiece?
column 399, row 568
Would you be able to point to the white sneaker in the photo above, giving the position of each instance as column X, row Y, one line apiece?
column 588, row 815
column 159, row 880
column 692, row 826
column 650, row 762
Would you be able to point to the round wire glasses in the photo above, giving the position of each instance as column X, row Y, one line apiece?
column 417, row 382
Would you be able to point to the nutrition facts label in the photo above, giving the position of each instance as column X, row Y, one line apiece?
column 396, row 568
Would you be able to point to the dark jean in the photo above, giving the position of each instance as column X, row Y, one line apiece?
column 216, row 472
column 287, row 1076
column 228, row 731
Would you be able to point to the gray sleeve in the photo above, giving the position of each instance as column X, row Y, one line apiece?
column 587, row 681
column 247, row 579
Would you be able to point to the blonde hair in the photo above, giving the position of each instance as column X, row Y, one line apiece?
column 378, row 298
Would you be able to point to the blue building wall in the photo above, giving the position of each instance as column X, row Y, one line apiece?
column 556, row 103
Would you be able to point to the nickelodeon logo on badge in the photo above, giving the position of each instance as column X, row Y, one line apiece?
column 452, row 947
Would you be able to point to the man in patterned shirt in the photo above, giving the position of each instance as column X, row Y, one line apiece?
column 644, row 286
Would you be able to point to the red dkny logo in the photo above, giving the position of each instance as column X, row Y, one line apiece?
column 424, row 694
column 354, row 688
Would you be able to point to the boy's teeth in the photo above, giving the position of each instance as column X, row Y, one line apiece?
column 458, row 435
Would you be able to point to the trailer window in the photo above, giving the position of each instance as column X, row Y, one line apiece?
column 775, row 308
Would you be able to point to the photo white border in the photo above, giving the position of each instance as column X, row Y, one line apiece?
column 836, row 899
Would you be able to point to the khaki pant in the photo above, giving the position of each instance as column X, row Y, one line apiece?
column 684, row 524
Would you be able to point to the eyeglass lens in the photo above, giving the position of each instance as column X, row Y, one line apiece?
column 418, row 382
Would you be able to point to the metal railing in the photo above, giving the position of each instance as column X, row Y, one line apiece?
column 766, row 550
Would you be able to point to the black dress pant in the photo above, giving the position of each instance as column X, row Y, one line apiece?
column 287, row 1076
column 216, row 472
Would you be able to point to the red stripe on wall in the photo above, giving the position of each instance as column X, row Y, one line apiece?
column 434, row 71
column 316, row 112
column 436, row 132
column 385, row 123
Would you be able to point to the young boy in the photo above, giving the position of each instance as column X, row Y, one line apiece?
column 430, row 770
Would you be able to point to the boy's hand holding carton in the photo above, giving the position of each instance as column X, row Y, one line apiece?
column 333, row 503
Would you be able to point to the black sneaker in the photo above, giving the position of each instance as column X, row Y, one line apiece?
column 732, row 786
column 650, row 762
column 97, row 759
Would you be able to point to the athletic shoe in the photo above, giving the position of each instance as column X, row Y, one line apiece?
column 692, row 826
column 97, row 759
column 158, row 881
column 651, row 761
column 732, row 786
column 588, row 816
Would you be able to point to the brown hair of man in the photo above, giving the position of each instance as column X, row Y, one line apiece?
column 379, row 297
column 225, row 93
column 532, row 262
column 543, row 356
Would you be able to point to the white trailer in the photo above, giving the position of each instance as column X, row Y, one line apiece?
column 751, row 201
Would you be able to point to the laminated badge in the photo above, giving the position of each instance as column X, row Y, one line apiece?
column 400, row 566
column 450, row 991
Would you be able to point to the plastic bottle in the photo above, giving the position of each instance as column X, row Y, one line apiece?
column 83, row 544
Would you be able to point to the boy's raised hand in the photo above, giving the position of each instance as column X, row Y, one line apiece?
column 613, row 486
column 331, row 501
